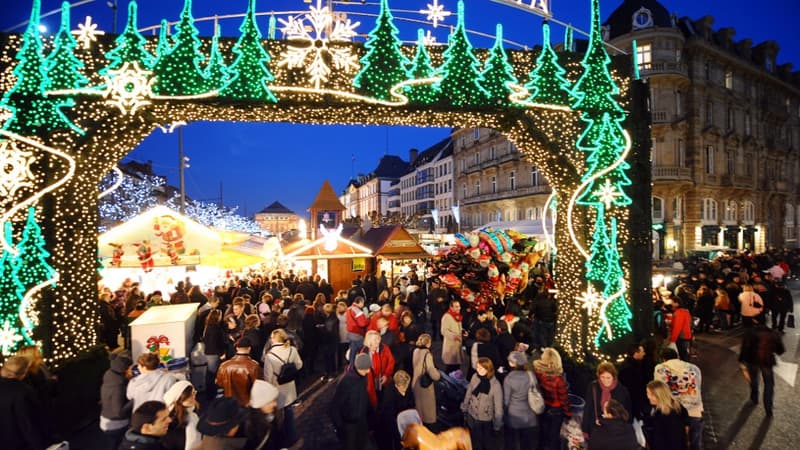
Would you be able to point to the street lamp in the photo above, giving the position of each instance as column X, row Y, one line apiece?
column 113, row 6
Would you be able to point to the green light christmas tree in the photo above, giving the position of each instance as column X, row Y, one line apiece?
column 30, row 265
column 129, row 45
column 618, row 313
column 547, row 83
column 498, row 72
column 217, row 74
column 178, row 72
column 10, row 324
column 249, row 73
column 164, row 43
column 384, row 65
column 461, row 78
column 421, row 68
column 597, row 267
column 607, row 149
column 63, row 68
column 33, row 111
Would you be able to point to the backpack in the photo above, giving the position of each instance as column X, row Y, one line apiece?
column 288, row 371
column 535, row 399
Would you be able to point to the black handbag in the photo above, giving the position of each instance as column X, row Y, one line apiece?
column 790, row 320
column 425, row 380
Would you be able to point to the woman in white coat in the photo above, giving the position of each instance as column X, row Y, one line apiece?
column 424, row 397
column 280, row 352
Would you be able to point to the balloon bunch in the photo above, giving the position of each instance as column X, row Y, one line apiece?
column 486, row 265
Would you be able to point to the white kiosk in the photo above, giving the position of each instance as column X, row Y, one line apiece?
column 173, row 325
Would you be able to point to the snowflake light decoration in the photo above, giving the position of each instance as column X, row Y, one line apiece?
column 8, row 338
column 15, row 168
column 590, row 299
column 607, row 193
column 435, row 13
column 429, row 39
column 316, row 42
column 129, row 88
column 87, row 33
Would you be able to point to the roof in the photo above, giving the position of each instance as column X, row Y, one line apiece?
column 276, row 208
column 390, row 166
column 431, row 152
column 621, row 20
column 326, row 200
column 393, row 242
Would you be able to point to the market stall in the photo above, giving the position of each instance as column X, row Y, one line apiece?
column 394, row 250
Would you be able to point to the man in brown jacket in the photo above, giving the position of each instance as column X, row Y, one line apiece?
column 237, row 375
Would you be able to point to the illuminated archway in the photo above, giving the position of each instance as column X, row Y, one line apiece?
column 63, row 133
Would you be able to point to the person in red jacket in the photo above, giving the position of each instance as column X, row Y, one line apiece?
column 681, row 333
column 380, row 375
column 357, row 323
column 386, row 312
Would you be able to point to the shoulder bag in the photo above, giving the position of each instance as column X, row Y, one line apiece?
column 535, row 399
column 425, row 380
column 288, row 371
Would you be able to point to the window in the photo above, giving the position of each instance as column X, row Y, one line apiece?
column 476, row 134
column 748, row 168
column 789, row 218
column 492, row 153
column 512, row 180
column 477, row 157
column 658, row 209
column 730, row 213
column 709, row 159
column 731, row 162
column 644, row 56
column 463, row 165
column 464, row 190
column 748, row 124
column 678, row 104
column 677, row 209
column 478, row 187
column 769, row 63
column 709, row 210
column 731, row 118
column 749, row 212
column 728, row 79
column 534, row 176
column 494, row 184
column 681, row 153
column 707, row 70
column 709, row 112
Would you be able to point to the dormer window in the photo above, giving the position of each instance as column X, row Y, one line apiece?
column 642, row 18
column 606, row 30
column 769, row 64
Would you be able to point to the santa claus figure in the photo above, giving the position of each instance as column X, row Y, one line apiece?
column 171, row 231
column 145, row 254
column 116, row 254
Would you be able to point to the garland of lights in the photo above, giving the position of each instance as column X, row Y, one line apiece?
column 453, row 85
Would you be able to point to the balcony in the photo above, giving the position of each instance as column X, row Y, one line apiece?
column 672, row 173
column 661, row 116
column 712, row 179
column 472, row 168
column 508, row 193
column 743, row 181
column 663, row 68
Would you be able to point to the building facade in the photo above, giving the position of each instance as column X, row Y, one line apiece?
column 368, row 195
column 277, row 219
column 492, row 182
column 725, row 128
column 426, row 188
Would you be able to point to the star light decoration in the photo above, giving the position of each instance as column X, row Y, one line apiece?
column 15, row 169
column 316, row 41
column 590, row 299
column 129, row 88
column 8, row 338
column 429, row 39
column 607, row 193
column 87, row 33
column 435, row 13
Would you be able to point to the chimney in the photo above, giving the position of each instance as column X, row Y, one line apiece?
column 412, row 155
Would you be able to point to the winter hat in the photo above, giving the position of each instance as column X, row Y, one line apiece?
column 374, row 308
column 518, row 359
column 174, row 393
column 262, row 393
column 120, row 361
column 363, row 362
column 222, row 415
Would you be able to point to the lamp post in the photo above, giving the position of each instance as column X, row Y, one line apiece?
column 183, row 163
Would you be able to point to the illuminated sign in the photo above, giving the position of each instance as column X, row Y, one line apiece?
column 541, row 7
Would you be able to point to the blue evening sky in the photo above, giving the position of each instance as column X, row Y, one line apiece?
column 261, row 163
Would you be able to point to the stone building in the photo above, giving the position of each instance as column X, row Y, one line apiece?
column 427, row 188
column 725, row 128
column 277, row 218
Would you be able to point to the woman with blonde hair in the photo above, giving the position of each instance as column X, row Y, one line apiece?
column 483, row 405
column 424, row 397
column 553, row 386
column 722, row 306
column 668, row 421
column 276, row 355
column 396, row 399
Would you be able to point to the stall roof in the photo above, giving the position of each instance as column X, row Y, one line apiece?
column 311, row 250
column 393, row 242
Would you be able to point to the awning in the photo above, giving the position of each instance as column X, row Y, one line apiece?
column 396, row 256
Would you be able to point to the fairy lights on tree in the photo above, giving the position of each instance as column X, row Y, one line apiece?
column 498, row 72
column 63, row 68
column 547, row 82
column 461, row 77
column 178, row 72
column 421, row 68
column 249, row 72
column 129, row 45
column 217, row 73
column 384, row 65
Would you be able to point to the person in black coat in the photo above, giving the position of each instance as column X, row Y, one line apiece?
column 115, row 409
column 632, row 375
column 614, row 432
column 328, row 332
column 349, row 409
column 20, row 430
column 396, row 399
column 759, row 347
column 606, row 387
column 149, row 424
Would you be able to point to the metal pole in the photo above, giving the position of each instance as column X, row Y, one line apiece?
column 181, row 166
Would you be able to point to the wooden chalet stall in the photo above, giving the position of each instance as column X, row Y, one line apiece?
column 392, row 246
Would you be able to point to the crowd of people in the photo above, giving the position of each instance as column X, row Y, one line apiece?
column 389, row 344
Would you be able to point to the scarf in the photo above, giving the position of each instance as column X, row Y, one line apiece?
column 605, row 394
column 455, row 315
column 483, row 386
